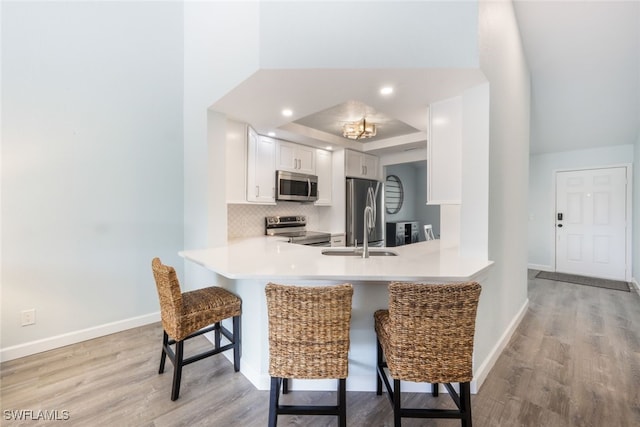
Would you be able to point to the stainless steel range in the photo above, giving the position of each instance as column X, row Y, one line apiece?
column 295, row 228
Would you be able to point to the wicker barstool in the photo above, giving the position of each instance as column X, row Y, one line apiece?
column 308, row 339
column 190, row 314
column 426, row 335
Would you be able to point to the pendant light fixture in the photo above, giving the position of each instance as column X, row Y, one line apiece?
column 359, row 130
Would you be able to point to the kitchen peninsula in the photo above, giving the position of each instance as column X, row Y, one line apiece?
column 247, row 265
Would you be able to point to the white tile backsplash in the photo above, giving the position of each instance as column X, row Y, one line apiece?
column 247, row 220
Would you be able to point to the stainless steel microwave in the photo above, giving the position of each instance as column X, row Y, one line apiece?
column 297, row 187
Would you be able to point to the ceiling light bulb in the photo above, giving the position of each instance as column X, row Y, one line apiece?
column 271, row 134
column 387, row 90
column 287, row 112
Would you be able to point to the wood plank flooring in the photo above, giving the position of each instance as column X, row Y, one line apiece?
column 573, row 361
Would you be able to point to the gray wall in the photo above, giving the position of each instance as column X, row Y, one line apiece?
column 92, row 174
column 414, row 181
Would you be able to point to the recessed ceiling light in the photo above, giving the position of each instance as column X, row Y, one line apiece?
column 386, row 90
column 271, row 134
column 287, row 112
column 328, row 147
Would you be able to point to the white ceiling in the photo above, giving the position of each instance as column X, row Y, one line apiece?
column 584, row 58
column 321, row 100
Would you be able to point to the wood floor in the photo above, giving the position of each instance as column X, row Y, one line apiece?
column 574, row 361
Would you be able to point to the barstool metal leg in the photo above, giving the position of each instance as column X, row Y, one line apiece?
column 397, row 418
column 216, row 335
column 465, row 404
column 236, row 343
column 177, row 370
column 163, row 356
column 274, row 401
column 379, row 367
column 342, row 402
column 435, row 389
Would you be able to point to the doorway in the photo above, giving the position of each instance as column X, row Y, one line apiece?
column 413, row 178
column 592, row 236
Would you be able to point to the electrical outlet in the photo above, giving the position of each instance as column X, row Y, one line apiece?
column 28, row 317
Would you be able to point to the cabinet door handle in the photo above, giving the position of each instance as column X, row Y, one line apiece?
column 257, row 191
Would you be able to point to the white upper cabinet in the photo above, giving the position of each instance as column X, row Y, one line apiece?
column 444, row 158
column 295, row 158
column 325, row 177
column 261, row 168
column 361, row 165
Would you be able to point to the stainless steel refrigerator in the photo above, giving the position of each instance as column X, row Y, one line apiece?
column 359, row 193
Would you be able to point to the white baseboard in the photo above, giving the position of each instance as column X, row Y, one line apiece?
column 483, row 370
column 541, row 267
column 38, row 346
column 635, row 284
column 354, row 383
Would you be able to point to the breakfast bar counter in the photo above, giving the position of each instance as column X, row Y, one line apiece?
column 273, row 258
column 245, row 266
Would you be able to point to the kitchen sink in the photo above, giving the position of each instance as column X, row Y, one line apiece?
column 357, row 252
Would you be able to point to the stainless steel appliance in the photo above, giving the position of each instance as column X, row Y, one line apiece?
column 295, row 229
column 402, row 233
column 360, row 194
column 297, row 187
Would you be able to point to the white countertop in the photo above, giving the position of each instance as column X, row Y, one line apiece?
column 271, row 258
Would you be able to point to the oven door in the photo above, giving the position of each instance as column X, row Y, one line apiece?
column 296, row 187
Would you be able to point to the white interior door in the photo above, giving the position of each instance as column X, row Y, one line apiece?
column 591, row 222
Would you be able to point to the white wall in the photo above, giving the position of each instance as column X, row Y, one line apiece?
column 542, row 193
column 474, row 211
column 221, row 50
column 368, row 34
column 504, row 294
column 91, row 165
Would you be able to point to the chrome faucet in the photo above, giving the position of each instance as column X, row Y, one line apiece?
column 369, row 219
column 368, row 224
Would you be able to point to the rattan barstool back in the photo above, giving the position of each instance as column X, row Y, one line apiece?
column 308, row 339
column 427, row 332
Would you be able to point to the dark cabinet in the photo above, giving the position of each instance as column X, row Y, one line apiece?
column 402, row 233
